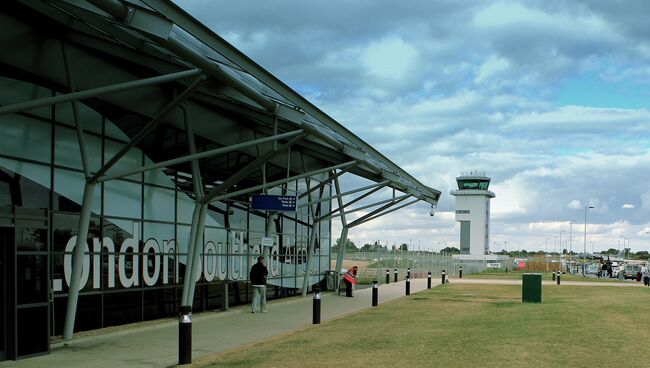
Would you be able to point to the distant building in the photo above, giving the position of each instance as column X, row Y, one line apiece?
column 473, row 212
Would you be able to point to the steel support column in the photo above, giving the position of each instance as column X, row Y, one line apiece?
column 344, row 232
column 310, row 246
column 77, row 262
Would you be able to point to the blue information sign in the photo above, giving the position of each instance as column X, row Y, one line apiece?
column 268, row 202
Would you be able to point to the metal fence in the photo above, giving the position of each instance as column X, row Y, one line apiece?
column 373, row 265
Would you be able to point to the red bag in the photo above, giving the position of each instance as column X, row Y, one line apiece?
column 350, row 279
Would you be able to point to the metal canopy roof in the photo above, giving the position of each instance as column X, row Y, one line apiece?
column 128, row 40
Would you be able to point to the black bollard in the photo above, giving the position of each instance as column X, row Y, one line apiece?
column 558, row 277
column 408, row 272
column 553, row 275
column 443, row 277
column 408, row 286
column 316, row 307
column 185, row 335
column 429, row 281
column 460, row 272
column 387, row 277
column 375, row 294
column 396, row 275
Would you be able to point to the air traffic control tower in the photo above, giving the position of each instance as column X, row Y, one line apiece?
column 473, row 212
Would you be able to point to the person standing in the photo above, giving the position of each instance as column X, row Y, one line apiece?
column 350, row 279
column 258, row 281
column 645, row 275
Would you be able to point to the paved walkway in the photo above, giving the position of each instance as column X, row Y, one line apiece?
column 156, row 345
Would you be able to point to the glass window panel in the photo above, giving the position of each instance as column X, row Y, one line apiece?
column 257, row 223
column 31, row 328
column 159, row 204
column 91, row 120
column 157, row 177
column 71, row 185
column 13, row 91
column 67, row 152
column 131, row 160
column 118, row 260
column 215, row 218
column 32, row 277
column 122, row 198
column 238, row 218
column 165, row 245
column 29, row 239
column 122, row 307
column 25, row 137
column 185, row 209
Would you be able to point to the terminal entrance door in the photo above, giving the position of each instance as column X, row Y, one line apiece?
column 25, row 269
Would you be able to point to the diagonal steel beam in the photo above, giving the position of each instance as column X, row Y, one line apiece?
column 380, row 184
column 149, row 127
column 362, row 219
column 330, row 216
column 252, row 166
column 333, row 177
column 75, row 112
column 199, row 155
column 340, row 208
column 89, row 93
column 389, row 211
column 282, row 181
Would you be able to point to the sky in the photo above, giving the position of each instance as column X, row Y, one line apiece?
column 550, row 98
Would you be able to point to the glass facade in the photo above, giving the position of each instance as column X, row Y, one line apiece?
column 136, row 250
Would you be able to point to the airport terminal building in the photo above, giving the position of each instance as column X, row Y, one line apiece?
column 132, row 139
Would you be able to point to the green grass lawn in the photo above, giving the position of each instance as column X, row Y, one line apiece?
column 465, row 325
column 516, row 275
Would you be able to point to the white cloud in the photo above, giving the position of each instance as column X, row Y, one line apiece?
column 627, row 205
column 390, row 58
column 574, row 204
column 492, row 67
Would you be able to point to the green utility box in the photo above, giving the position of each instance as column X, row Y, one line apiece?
column 531, row 288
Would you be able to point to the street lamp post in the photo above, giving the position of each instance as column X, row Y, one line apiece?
column 584, row 255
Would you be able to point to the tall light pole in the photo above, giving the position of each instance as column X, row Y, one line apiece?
column 570, row 239
column 584, row 255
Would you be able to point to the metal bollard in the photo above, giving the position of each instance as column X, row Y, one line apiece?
column 408, row 286
column 553, row 275
column 396, row 275
column 375, row 294
column 460, row 272
column 558, row 277
column 429, row 281
column 443, row 277
column 408, row 272
column 316, row 307
column 185, row 335
column 387, row 277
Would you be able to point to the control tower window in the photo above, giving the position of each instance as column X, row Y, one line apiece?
column 473, row 184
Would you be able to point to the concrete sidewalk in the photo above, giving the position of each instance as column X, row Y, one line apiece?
column 156, row 345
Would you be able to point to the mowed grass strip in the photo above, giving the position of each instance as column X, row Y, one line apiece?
column 464, row 325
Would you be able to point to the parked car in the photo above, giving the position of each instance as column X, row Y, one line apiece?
column 629, row 272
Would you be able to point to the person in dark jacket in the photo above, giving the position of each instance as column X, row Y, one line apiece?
column 258, row 281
